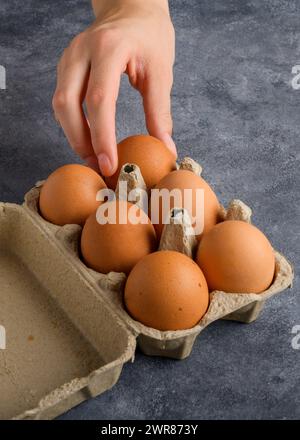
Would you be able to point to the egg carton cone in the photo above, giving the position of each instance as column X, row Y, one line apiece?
column 109, row 287
column 60, row 343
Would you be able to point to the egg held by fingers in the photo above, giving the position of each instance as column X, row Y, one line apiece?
column 151, row 155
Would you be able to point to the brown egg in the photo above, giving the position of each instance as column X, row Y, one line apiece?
column 69, row 194
column 236, row 257
column 151, row 155
column 118, row 244
column 182, row 180
column 166, row 290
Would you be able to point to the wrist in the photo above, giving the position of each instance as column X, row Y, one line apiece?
column 100, row 7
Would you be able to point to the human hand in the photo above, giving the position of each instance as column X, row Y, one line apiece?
column 135, row 37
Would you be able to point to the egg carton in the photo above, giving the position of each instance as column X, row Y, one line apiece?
column 63, row 343
column 109, row 287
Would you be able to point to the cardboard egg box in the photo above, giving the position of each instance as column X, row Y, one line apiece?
column 109, row 287
column 68, row 333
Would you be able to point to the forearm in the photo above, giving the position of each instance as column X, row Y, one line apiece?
column 101, row 6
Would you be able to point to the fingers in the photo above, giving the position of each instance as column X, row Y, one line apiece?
column 67, row 105
column 157, row 105
column 101, row 97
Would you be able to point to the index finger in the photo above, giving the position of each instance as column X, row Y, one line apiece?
column 101, row 98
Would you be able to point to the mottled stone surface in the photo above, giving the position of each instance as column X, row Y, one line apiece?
column 234, row 111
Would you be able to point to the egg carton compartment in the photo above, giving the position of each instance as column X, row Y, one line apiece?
column 173, row 344
column 63, row 343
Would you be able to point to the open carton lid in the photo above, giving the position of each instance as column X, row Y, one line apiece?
column 60, row 349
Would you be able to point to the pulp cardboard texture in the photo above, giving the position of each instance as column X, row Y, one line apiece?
column 64, row 344
column 68, row 331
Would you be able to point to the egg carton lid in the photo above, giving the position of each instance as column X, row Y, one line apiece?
column 58, row 350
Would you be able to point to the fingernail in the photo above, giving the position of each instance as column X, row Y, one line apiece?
column 168, row 141
column 92, row 162
column 105, row 164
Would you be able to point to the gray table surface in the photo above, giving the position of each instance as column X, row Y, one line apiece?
column 236, row 112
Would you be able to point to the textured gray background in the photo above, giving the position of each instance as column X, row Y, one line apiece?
column 236, row 112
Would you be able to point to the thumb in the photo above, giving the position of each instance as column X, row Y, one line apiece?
column 157, row 107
